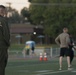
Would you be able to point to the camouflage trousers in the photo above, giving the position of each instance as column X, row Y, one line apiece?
column 3, row 60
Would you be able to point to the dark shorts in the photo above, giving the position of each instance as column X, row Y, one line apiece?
column 64, row 52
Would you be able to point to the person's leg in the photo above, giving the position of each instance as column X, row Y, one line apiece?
column 71, row 56
column 2, row 71
column 68, row 61
column 68, row 53
column 3, row 60
column 60, row 58
column 60, row 62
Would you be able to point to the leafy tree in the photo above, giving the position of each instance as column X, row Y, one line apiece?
column 25, row 14
column 13, row 15
column 29, row 0
column 59, row 14
column 37, row 11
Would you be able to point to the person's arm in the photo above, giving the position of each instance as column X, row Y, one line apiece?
column 6, row 31
column 74, row 48
column 57, row 40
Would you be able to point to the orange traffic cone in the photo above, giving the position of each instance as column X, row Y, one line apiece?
column 41, row 57
column 45, row 57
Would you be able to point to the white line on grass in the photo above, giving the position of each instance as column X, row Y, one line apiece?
column 74, row 71
column 53, row 72
column 42, row 71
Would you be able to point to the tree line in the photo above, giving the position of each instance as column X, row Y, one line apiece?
column 53, row 15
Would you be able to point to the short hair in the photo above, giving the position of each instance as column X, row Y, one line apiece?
column 65, row 28
column 2, row 6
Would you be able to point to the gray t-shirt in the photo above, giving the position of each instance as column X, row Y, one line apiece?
column 63, row 40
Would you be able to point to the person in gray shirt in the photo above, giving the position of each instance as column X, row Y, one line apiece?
column 63, row 41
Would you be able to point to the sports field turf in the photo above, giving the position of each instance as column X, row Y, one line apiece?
column 32, row 66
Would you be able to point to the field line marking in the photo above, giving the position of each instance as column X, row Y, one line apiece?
column 43, row 71
column 53, row 72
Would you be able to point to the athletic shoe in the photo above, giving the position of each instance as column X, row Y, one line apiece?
column 60, row 69
column 69, row 68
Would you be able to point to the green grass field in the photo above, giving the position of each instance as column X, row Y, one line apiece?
column 17, row 65
column 32, row 66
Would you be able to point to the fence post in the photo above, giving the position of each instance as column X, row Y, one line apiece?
column 51, row 52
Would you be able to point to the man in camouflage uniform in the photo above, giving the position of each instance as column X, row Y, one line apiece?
column 4, row 40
